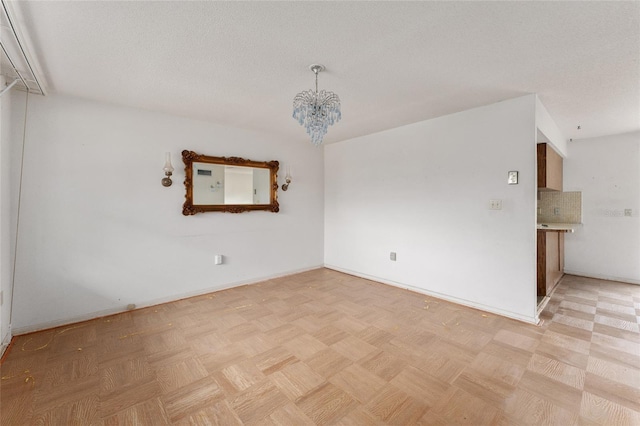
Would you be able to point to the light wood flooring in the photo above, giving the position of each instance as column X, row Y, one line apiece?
column 323, row 347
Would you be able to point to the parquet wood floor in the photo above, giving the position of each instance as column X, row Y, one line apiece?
column 323, row 347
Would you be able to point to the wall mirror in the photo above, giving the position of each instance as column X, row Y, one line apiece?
column 229, row 184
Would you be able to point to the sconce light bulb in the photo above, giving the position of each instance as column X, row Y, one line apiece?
column 168, row 167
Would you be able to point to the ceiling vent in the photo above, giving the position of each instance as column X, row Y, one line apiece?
column 16, row 65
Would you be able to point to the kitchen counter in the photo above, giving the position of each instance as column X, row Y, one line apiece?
column 558, row 227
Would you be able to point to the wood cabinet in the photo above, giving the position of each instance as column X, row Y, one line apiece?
column 550, row 260
column 549, row 168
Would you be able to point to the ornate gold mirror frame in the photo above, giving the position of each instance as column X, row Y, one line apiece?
column 189, row 208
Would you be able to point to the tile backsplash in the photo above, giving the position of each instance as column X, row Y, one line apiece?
column 559, row 207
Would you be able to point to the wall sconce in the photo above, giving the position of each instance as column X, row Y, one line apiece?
column 287, row 179
column 168, row 170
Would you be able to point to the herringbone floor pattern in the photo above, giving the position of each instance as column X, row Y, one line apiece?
column 323, row 347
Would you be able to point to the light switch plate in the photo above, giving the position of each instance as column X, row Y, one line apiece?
column 512, row 178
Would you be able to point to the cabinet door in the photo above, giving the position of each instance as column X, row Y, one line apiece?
column 561, row 252
column 549, row 168
column 555, row 259
column 550, row 267
column 541, row 264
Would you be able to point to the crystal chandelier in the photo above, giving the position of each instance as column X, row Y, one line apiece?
column 316, row 111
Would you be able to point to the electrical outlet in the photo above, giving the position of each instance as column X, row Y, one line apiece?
column 495, row 204
column 392, row 256
column 556, row 211
column 628, row 212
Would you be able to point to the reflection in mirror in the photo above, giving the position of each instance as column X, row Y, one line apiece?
column 229, row 184
column 217, row 184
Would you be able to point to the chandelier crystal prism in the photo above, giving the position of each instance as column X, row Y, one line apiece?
column 318, row 110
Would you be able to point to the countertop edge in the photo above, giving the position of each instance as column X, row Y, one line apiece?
column 558, row 227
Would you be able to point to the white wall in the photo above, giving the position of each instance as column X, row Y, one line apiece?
column 5, row 223
column 98, row 231
column 607, row 171
column 5, row 258
column 423, row 191
column 12, row 107
column 549, row 129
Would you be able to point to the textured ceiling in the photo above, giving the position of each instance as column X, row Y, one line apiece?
column 391, row 63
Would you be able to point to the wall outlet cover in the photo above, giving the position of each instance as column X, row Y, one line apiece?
column 392, row 256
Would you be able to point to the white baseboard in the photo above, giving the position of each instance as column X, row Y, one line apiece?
column 6, row 340
column 145, row 304
column 602, row 277
column 530, row 320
